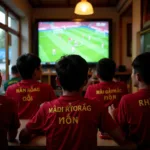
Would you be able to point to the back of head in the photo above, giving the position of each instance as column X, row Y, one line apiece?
column 72, row 72
column 27, row 64
column 14, row 70
column 106, row 69
column 141, row 64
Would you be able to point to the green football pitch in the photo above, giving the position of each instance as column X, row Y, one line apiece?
column 88, row 43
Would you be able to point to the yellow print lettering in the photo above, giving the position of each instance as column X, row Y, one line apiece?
column 20, row 90
column 89, row 108
column 61, row 120
column 60, row 109
column 97, row 92
column 141, row 103
column 101, row 91
column 70, row 108
column 145, row 102
column 106, row 91
column 110, row 97
column 84, row 107
column 109, row 91
column 68, row 120
column 106, row 98
column 27, row 98
column 30, row 90
column 56, row 109
column 75, row 108
column 79, row 108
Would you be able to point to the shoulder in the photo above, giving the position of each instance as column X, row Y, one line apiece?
column 94, row 102
column 44, row 85
column 121, row 84
column 8, row 102
column 94, row 86
column 50, row 103
column 13, row 86
column 128, row 98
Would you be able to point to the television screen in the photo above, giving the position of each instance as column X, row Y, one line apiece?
column 89, row 39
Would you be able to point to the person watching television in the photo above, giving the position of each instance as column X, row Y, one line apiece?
column 29, row 93
column 133, row 111
column 107, row 90
column 15, row 77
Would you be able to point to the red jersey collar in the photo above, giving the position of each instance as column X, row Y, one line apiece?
column 144, row 90
column 110, row 82
column 28, row 81
column 74, row 97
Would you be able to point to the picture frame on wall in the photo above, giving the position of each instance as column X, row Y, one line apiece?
column 129, row 40
column 145, row 12
column 145, row 40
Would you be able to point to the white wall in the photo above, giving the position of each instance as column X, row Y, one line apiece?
column 68, row 13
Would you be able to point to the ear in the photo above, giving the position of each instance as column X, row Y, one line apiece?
column 98, row 76
column 57, row 81
column 34, row 73
column 138, row 77
column 85, row 82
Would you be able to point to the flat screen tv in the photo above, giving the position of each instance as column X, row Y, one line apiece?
column 89, row 39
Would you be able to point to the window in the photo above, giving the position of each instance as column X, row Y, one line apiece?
column 2, row 56
column 9, row 41
column 2, row 15
column 13, row 22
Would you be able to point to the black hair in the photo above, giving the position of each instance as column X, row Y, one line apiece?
column 106, row 69
column 72, row 71
column 140, row 65
column 14, row 69
column 26, row 64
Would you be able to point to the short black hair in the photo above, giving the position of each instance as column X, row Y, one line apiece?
column 140, row 65
column 14, row 69
column 26, row 64
column 106, row 68
column 72, row 71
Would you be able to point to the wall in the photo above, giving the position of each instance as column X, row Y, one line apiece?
column 68, row 13
column 125, row 59
column 136, row 27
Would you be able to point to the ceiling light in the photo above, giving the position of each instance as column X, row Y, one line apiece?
column 84, row 8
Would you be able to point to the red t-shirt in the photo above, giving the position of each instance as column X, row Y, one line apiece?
column 133, row 115
column 9, row 121
column 29, row 95
column 71, row 122
column 109, row 92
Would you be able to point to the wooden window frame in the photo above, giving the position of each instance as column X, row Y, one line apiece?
column 8, row 30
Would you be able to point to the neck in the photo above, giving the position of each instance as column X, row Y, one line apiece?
column 104, row 80
column 15, row 76
column 67, row 93
column 143, row 86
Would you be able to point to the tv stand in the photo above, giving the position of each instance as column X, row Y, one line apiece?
column 49, row 76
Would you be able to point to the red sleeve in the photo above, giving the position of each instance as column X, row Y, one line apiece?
column 37, row 123
column 107, row 124
column 7, row 92
column 121, row 116
column 14, row 121
column 52, row 94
